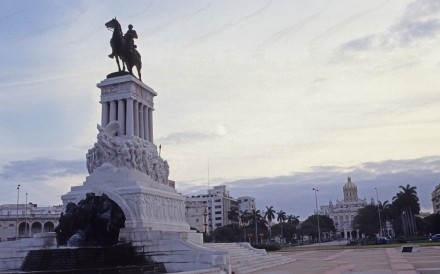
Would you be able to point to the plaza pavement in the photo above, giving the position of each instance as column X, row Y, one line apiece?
column 382, row 260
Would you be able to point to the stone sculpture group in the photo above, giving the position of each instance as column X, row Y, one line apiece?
column 96, row 220
column 126, row 152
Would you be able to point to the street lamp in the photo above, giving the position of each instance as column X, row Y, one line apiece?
column 317, row 215
column 18, row 198
column 25, row 217
column 378, row 209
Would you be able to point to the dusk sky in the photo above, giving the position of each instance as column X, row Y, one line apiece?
column 271, row 98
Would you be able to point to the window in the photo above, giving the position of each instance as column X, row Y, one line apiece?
column 197, row 220
column 218, row 218
column 217, row 200
column 218, row 212
column 218, row 206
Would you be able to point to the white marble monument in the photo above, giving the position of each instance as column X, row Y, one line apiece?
column 124, row 162
column 125, row 165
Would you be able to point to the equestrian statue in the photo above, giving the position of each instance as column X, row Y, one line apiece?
column 123, row 47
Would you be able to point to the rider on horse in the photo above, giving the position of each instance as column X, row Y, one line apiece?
column 129, row 36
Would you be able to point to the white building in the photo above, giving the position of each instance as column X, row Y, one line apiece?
column 435, row 198
column 246, row 204
column 343, row 212
column 206, row 212
column 29, row 218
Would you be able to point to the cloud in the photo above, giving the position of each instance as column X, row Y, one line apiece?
column 41, row 169
column 420, row 22
column 179, row 138
column 293, row 193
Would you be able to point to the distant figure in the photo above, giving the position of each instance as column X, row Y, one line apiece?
column 130, row 35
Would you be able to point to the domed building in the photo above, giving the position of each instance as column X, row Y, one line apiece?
column 343, row 212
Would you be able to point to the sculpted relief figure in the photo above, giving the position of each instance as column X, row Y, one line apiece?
column 132, row 153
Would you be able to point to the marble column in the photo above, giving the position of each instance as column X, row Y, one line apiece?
column 150, row 124
column 112, row 111
column 136, row 118
column 141, row 121
column 104, row 114
column 146, row 131
column 121, row 117
column 129, row 130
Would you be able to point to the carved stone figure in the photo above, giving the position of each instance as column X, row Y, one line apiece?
column 96, row 220
column 134, row 153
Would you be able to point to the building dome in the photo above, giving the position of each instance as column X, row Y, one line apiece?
column 350, row 191
column 349, row 185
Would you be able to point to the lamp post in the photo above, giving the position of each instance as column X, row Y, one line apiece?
column 317, row 215
column 18, row 198
column 378, row 209
column 25, row 218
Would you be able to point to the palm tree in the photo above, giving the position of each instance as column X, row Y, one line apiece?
column 292, row 219
column 270, row 215
column 234, row 216
column 244, row 219
column 406, row 204
column 281, row 218
column 256, row 218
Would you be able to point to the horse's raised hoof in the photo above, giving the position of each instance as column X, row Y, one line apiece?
column 110, row 56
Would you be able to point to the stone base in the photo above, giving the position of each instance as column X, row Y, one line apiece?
column 117, row 74
column 178, row 253
column 147, row 204
column 12, row 253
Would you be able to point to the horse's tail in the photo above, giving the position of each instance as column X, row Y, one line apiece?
column 137, row 59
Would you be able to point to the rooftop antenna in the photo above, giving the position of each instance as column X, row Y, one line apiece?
column 208, row 173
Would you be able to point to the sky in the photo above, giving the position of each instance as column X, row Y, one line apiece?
column 271, row 98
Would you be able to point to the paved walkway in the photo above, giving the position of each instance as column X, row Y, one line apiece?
column 361, row 261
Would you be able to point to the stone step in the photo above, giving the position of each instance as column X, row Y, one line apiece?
column 245, row 259
column 243, row 269
column 202, row 271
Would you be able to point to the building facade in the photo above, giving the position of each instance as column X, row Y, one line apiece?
column 206, row 212
column 343, row 212
column 24, row 220
column 435, row 198
column 247, row 203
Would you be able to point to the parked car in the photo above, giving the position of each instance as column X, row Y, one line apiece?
column 382, row 240
column 434, row 238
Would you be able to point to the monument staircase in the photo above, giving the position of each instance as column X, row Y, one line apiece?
column 246, row 259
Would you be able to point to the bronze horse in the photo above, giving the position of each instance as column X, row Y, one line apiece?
column 120, row 49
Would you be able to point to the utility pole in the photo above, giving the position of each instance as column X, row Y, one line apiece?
column 317, row 215
column 378, row 209
column 18, row 199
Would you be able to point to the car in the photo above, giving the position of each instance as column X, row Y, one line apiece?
column 434, row 238
column 382, row 240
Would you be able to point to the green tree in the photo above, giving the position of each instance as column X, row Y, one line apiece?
column 432, row 223
column 405, row 206
column 270, row 216
column 367, row 220
column 226, row 234
column 257, row 220
column 310, row 225
column 234, row 216
column 281, row 218
column 245, row 216
column 292, row 219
